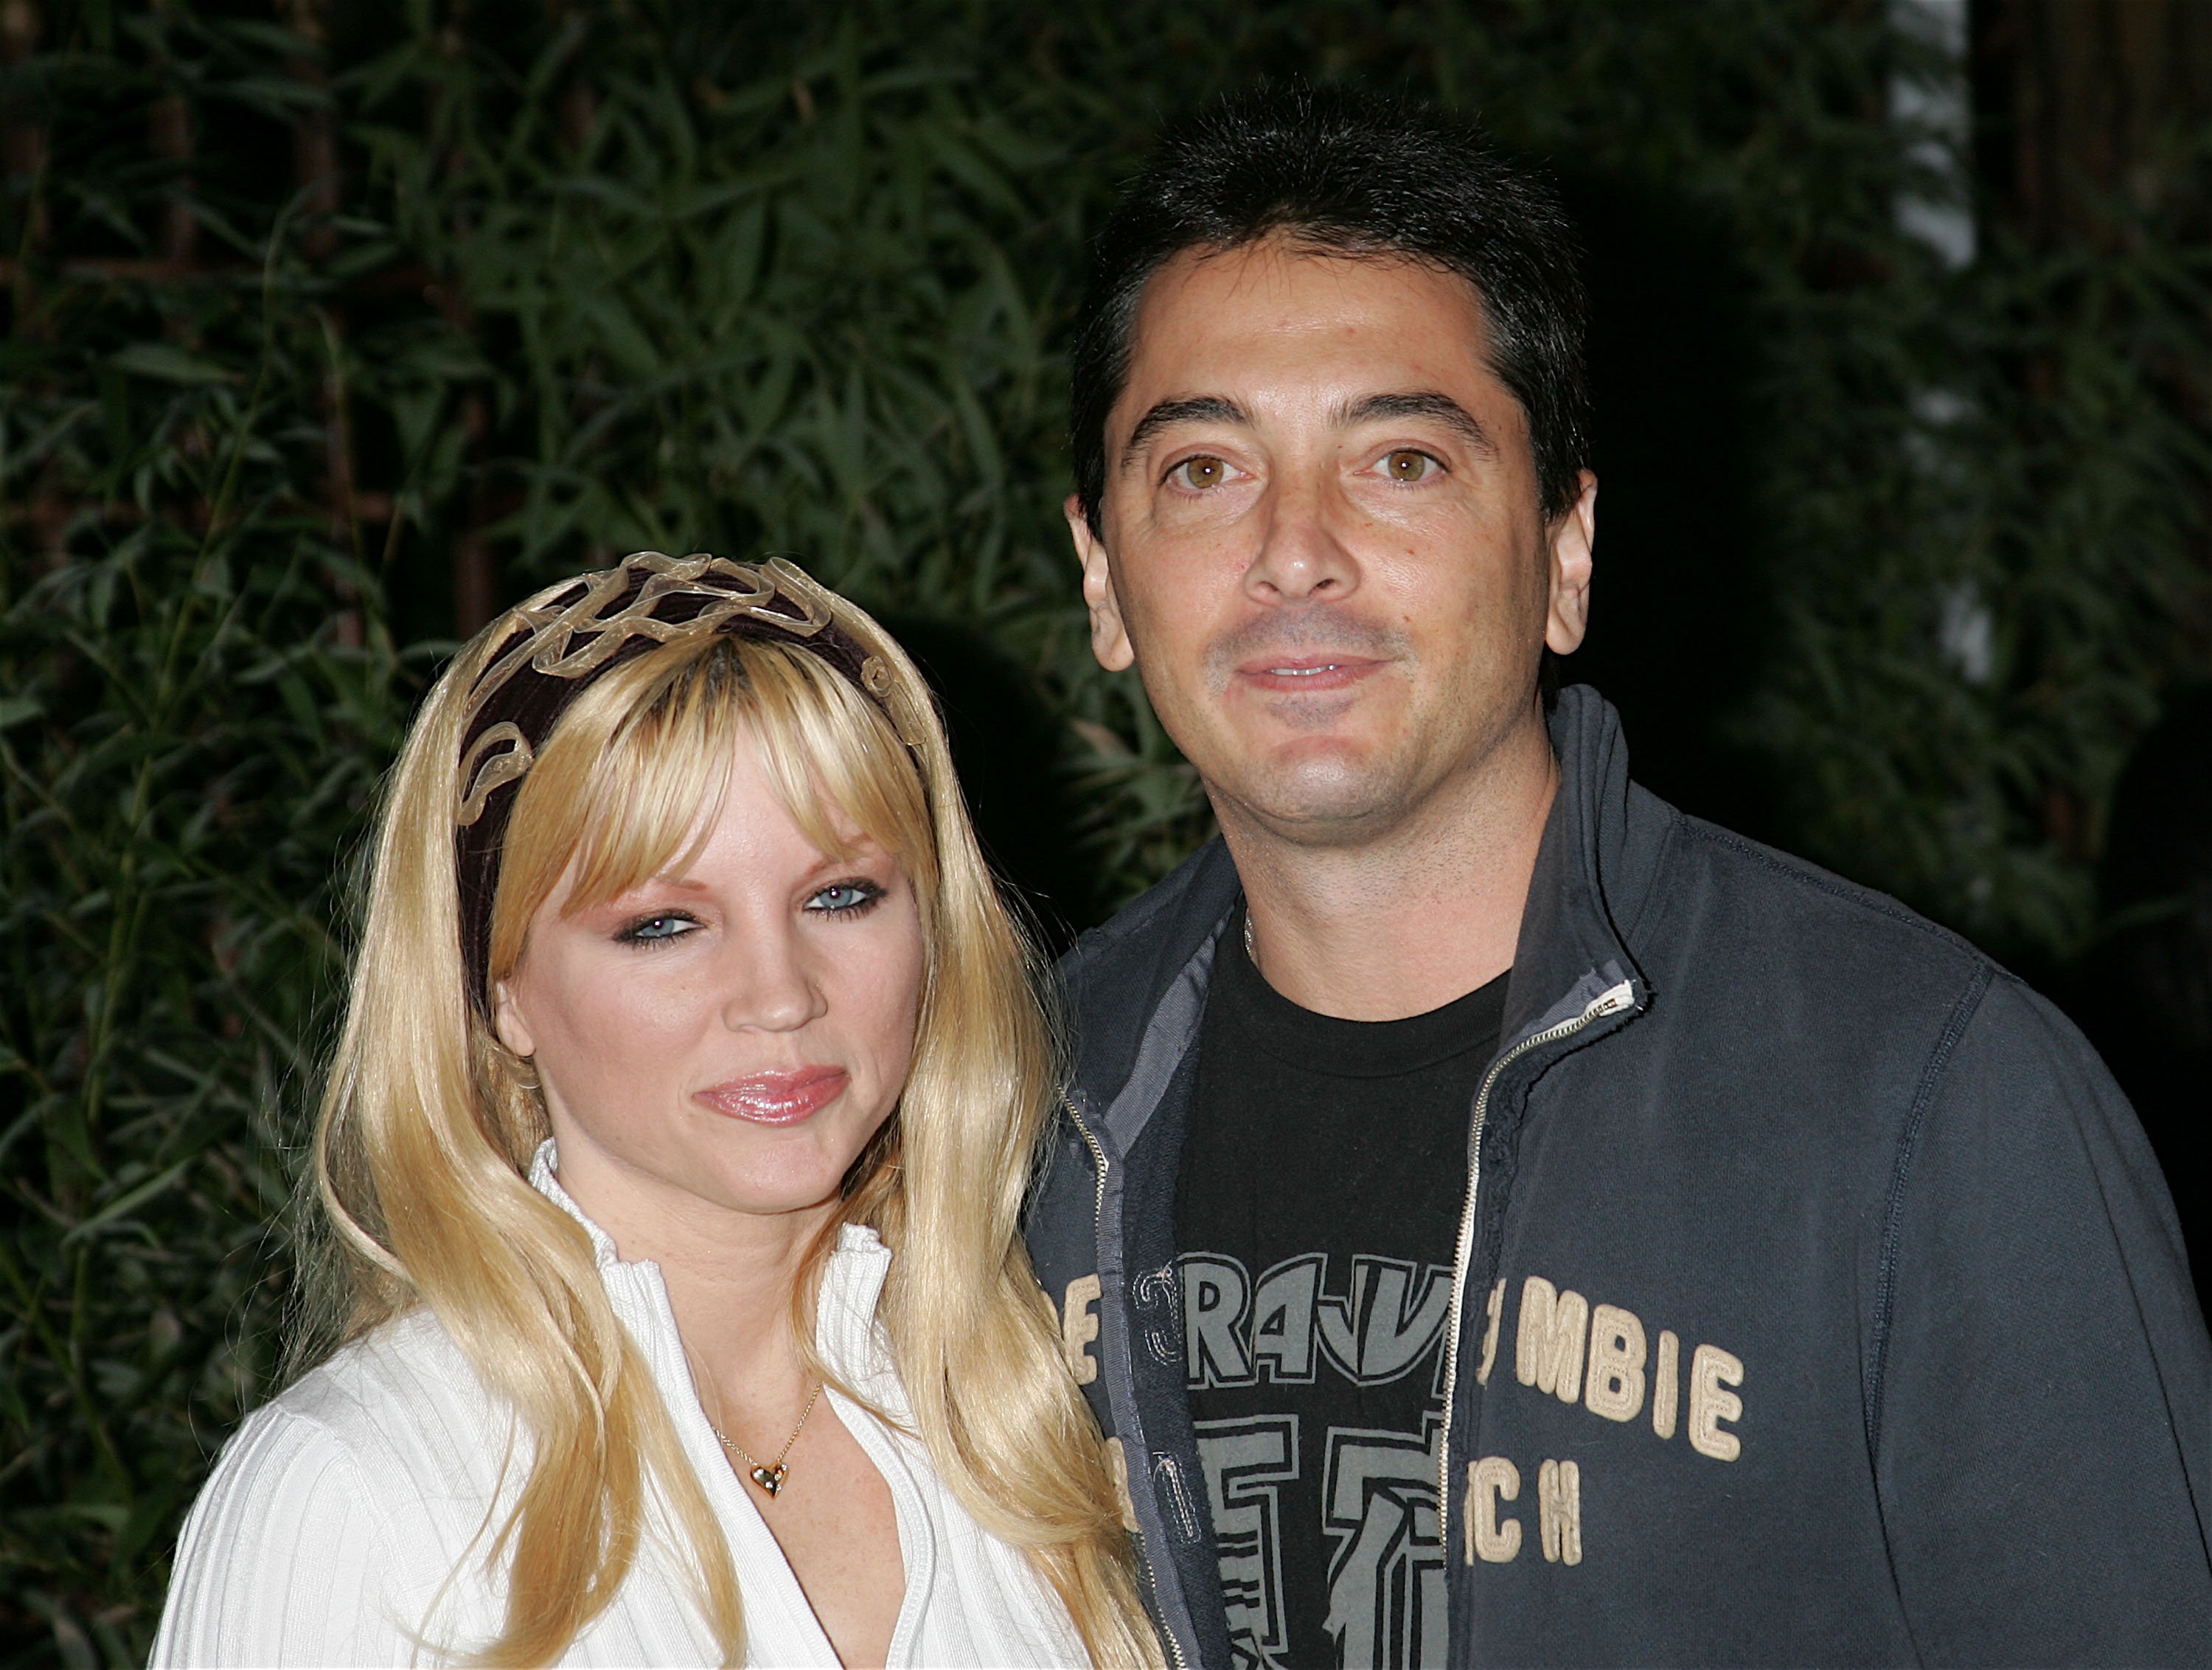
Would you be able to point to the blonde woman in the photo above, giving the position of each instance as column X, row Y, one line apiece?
column 672, row 1158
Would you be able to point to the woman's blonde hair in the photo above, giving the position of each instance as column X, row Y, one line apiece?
column 429, row 1125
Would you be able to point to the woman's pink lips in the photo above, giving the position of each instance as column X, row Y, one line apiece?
column 777, row 1098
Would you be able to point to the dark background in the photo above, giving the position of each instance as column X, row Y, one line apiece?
column 330, row 328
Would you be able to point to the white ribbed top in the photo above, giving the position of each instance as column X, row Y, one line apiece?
column 332, row 1527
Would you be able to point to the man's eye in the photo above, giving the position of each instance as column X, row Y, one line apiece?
column 1407, row 465
column 1200, row 473
column 844, row 898
column 662, row 925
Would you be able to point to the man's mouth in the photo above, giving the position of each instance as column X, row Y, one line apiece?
column 1300, row 673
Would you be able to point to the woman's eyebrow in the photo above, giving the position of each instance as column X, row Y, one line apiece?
column 1187, row 409
column 1431, row 403
column 661, row 882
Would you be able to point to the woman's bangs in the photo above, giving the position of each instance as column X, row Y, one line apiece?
column 840, row 769
column 653, row 797
column 657, row 785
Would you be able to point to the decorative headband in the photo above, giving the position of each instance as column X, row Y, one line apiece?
column 547, row 649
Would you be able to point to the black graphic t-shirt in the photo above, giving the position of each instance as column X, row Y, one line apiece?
column 1318, row 1208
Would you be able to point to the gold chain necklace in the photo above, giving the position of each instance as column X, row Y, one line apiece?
column 769, row 1476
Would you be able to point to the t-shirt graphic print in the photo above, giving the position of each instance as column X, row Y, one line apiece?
column 1322, row 1176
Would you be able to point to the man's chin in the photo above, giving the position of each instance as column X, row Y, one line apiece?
column 1325, row 801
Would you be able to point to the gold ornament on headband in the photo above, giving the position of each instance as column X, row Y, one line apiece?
column 546, row 650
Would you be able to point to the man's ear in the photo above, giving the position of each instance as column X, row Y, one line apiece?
column 1574, row 541
column 507, row 1022
column 1109, row 638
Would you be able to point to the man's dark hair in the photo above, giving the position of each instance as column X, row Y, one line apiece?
column 1359, row 174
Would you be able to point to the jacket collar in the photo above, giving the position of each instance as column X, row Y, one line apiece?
column 1594, row 870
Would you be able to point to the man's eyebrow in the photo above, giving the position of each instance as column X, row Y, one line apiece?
column 1194, row 409
column 1423, row 402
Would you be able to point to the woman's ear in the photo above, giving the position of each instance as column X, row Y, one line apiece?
column 507, row 1020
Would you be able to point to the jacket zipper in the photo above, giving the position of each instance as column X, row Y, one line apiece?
column 1609, row 1002
column 1098, row 1161
column 1099, row 1224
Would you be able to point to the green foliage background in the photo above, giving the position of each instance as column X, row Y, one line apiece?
column 602, row 275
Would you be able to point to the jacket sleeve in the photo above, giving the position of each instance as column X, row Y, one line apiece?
column 283, row 1559
column 2040, row 1389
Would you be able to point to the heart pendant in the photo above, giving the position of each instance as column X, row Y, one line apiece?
column 769, row 1478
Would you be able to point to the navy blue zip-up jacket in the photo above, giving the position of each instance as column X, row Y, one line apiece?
column 1819, row 1300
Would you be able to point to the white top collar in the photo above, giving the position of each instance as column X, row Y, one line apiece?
column 342, row 1514
column 846, row 1331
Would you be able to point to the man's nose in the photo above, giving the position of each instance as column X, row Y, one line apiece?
column 1301, row 554
column 769, row 984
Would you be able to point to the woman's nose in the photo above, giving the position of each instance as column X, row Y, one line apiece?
column 769, row 987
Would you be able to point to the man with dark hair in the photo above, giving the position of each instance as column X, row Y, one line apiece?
column 1502, row 1219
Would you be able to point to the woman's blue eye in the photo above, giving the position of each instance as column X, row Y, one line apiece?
column 842, row 898
column 648, row 929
